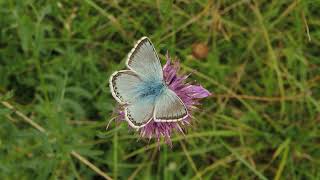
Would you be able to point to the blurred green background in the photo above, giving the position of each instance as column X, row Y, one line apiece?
column 263, row 121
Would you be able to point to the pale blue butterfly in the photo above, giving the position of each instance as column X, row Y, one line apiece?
column 142, row 91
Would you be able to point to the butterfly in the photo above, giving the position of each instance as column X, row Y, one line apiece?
column 142, row 90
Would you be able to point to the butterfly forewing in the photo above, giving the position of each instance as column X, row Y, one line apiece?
column 169, row 107
column 144, row 60
column 124, row 86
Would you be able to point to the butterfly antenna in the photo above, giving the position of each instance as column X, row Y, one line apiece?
column 115, row 114
column 112, row 119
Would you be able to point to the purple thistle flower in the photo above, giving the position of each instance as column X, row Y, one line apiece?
column 189, row 94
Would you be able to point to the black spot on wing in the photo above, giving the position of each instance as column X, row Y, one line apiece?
column 114, row 85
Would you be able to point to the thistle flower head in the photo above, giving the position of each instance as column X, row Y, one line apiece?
column 188, row 93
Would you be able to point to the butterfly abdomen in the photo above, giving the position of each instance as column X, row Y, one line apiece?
column 151, row 89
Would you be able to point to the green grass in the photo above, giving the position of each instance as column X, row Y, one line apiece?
column 263, row 66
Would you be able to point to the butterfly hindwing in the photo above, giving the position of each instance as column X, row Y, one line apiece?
column 124, row 86
column 144, row 60
column 140, row 112
column 169, row 107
